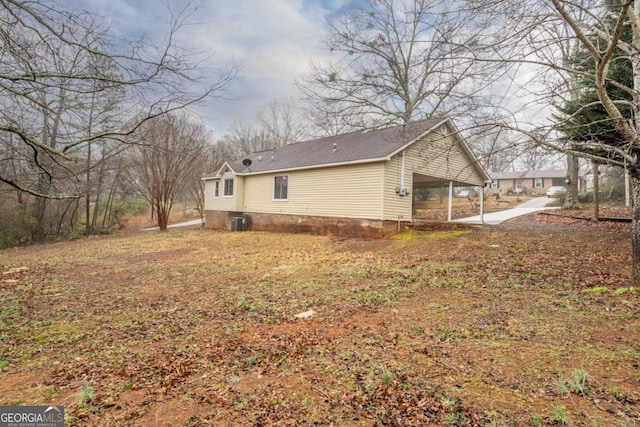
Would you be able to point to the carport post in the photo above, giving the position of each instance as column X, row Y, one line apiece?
column 450, row 201
column 482, row 205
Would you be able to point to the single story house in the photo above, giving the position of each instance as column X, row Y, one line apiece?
column 527, row 182
column 356, row 184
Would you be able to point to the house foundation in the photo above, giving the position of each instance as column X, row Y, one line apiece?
column 325, row 226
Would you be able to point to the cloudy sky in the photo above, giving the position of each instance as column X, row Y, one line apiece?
column 274, row 41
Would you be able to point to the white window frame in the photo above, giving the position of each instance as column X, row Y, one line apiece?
column 494, row 184
column 538, row 183
column 275, row 177
column 216, row 188
column 224, row 191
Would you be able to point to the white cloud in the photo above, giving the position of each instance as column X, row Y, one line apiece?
column 273, row 40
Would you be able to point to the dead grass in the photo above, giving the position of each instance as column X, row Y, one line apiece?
column 474, row 326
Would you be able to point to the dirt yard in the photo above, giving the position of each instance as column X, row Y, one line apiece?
column 530, row 323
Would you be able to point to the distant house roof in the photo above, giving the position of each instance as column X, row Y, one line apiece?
column 550, row 173
column 349, row 148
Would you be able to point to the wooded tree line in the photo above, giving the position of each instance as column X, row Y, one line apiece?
column 75, row 99
column 90, row 123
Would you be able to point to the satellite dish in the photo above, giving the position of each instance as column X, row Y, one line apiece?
column 246, row 162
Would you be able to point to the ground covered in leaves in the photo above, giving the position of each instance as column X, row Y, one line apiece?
column 530, row 323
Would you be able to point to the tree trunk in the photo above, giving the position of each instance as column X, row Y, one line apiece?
column 21, row 200
column 163, row 217
column 634, row 167
column 98, row 193
column 571, row 198
column 106, row 218
column 39, row 232
column 627, row 189
column 596, row 190
column 87, row 205
column 634, row 173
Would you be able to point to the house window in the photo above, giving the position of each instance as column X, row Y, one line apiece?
column 280, row 187
column 216, row 188
column 228, row 187
column 537, row 182
column 494, row 184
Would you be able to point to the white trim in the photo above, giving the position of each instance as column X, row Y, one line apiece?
column 482, row 205
column 219, row 172
column 224, row 187
column 416, row 139
column 456, row 135
column 273, row 188
column 402, row 189
column 324, row 165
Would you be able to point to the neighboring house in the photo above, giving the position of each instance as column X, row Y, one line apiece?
column 357, row 184
column 527, row 182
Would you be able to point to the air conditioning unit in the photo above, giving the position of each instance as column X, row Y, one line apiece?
column 237, row 223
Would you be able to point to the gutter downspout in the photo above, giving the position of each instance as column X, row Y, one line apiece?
column 402, row 174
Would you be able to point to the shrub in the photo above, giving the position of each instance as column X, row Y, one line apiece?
column 16, row 226
column 132, row 206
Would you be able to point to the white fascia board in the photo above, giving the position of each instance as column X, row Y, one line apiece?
column 461, row 141
column 324, row 165
column 422, row 135
column 467, row 149
column 218, row 174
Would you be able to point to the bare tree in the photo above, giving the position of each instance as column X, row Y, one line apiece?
column 277, row 123
column 400, row 61
column 595, row 30
column 624, row 152
column 244, row 138
column 283, row 122
column 169, row 152
column 54, row 61
column 569, row 92
column 495, row 150
column 327, row 119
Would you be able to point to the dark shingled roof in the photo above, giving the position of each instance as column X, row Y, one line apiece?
column 354, row 147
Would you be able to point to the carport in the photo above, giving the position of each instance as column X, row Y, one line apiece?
column 425, row 181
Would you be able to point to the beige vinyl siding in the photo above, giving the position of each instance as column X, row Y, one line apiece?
column 437, row 155
column 222, row 202
column 209, row 199
column 397, row 207
column 353, row 191
column 442, row 157
column 446, row 159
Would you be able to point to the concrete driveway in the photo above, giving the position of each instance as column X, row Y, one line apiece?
column 530, row 206
column 191, row 223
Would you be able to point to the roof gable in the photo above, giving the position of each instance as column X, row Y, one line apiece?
column 226, row 167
